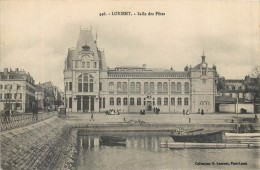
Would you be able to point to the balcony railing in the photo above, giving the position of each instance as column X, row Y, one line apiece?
column 19, row 120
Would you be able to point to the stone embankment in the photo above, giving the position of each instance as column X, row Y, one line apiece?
column 49, row 144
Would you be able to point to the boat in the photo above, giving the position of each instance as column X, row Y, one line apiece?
column 198, row 136
column 112, row 141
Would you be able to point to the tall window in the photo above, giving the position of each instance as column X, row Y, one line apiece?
column 104, row 102
column 145, row 87
column 118, row 101
column 165, row 87
column 186, row 87
column 111, row 87
column 76, row 64
column 100, row 86
column 179, row 87
column 173, row 101
column 139, row 101
column 70, row 88
column 152, row 86
column 138, row 87
column 88, row 64
column 159, row 101
column 95, row 65
column 173, row 87
column 124, row 87
column 111, row 101
column 179, row 101
column 132, row 87
column 70, row 102
column 83, row 64
column 119, row 88
column 186, row 101
column 85, row 83
column 165, row 101
column 159, row 87
column 125, row 101
column 132, row 101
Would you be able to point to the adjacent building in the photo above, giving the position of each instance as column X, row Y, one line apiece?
column 91, row 86
column 17, row 90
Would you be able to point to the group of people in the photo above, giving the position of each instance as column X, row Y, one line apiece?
column 201, row 111
column 187, row 112
column 156, row 110
column 113, row 112
column 142, row 111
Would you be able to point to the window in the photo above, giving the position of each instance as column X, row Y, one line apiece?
column 145, row 87
column 111, row 87
column 173, row 87
column 0, row 95
column 70, row 86
column 18, row 96
column 138, row 87
column 179, row 101
column 144, row 102
column 95, row 65
column 76, row 64
column 70, row 102
column 152, row 87
column 186, row 87
column 8, row 96
column 125, row 101
column 179, row 87
column 172, row 101
column 159, row 101
column 88, row 64
column 100, row 102
column 132, row 87
column 118, row 101
column 67, row 87
column 111, row 101
column 139, row 101
column 85, row 83
column 1, row 86
column 119, row 88
column 100, row 86
column 83, row 64
column 165, row 87
column 165, row 101
column 204, row 71
column 159, row 87
column 186, row 101
column 8, row 86
column 132, row 101
column 104, row 102
column 124, row 87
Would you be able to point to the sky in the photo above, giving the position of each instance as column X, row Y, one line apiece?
column 35, row 35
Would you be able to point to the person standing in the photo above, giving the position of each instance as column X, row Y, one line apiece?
column 92, row 117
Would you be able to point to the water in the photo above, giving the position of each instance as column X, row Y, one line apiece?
column 142, row 151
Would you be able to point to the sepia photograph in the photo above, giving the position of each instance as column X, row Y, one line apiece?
column 129, row 85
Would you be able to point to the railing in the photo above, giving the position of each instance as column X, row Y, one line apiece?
column 18, row 120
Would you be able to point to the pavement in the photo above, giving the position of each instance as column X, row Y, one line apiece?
column 163, row 118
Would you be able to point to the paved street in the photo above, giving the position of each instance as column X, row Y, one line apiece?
column 211, row 118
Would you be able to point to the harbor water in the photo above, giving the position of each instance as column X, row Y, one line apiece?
column 141, row 150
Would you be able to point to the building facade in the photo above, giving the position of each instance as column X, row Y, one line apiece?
column 17, row 90
column 90, row 85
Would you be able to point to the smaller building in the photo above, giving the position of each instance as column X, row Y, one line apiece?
column 17, row 90
column 41, row 97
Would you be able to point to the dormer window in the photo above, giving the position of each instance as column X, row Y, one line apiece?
column 86, row 47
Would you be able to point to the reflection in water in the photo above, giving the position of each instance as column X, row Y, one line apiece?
column 143, row 151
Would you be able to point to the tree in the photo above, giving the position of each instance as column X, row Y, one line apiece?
column 255, row 71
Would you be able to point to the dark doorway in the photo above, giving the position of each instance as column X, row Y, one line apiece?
column 85, row 104
column 78, row 103
column 92, row 104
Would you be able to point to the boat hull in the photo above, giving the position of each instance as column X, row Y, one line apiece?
column 203, row 137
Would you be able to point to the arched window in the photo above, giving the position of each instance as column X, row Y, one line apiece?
column 139, row 101
column 159, row 101
column 125, row 101
column 144, row 102
column 165, row 101
column 132, row 101
column 179, row 101
column 138, row 87
column 159, row 87
column 145, row 87
column 186, row 87
column 173, row 101
column 132, row 87
column 173, row 87
column 118, row 101
column 111, row 87
column 179, row 87
column 152, row 87
column 125, row 87
column 119, row 88
column 111, row 101
column 85, row 83
column 186, row 101
column 165, row 87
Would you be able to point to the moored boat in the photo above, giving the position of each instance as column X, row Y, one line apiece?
column 201, row 136
column 112, row 141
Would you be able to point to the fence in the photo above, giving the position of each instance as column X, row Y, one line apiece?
column 18, row 120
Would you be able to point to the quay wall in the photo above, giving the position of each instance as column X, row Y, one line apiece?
column 52, row 143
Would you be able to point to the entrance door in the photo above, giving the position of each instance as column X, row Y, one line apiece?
column 78, row 103
column 85, row 103
column 149, row 106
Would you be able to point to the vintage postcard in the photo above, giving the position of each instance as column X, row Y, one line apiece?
column 129, row 84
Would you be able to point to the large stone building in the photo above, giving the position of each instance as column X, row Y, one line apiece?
column 17, row 90
column 92, row 86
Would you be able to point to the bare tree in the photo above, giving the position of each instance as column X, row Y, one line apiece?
column 255, row 71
